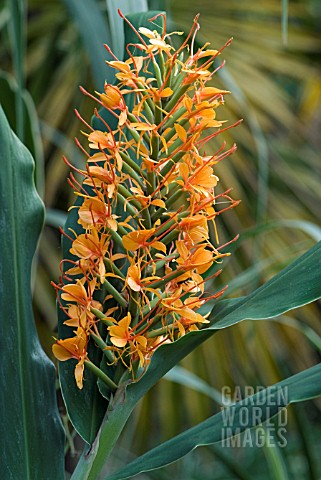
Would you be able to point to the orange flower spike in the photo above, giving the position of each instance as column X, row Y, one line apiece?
column 98, row 176
column 157, row 44
column 208, row 93
column 201, row 181
column 82, row 317
column 176, row 305
column 128, row 76
column 112, row 98
column 139, row 348
column 165, row 124
column 137, row 239
column 77, row 293
column 134, row 278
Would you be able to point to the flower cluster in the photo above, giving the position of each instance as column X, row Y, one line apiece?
column 148, row 199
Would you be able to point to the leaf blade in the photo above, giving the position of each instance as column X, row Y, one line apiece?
column 94, row 32
column 295, row 286
column 27, row 375
column 300, row 387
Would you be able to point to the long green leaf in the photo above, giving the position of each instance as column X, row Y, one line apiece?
column 116, row 22
column 93, row 30
column 296, row 285
column 31, row 431
column 297, row 388
column 9, row 92
column 183, row 377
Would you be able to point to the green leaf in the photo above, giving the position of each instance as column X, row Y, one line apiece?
column 297, row 388
column 183, row 377
column 296, row 285
column 116, row 22
column 30, row 426
column 9, row 92
column 92, row 27
column 55, row 218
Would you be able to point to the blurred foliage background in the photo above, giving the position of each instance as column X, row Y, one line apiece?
column 273, row 69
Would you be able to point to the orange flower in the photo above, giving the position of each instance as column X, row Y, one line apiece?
column 135, row 282
column 95, row 212
column 119, row 334
column 101, row 140
column 200, row 258
column 201, row 181
column 93, row 247
column 195, row 229
column 81, row 303
column 138, row 239
column 75, row 347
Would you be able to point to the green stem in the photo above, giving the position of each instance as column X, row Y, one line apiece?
column 142, row 211
column 176, row 97
column 158, row 75
column 128, row 169
column 151, row 177
column 131, row 163
column 117, row 296
column 161, row 283
column 134, row 307
column 162, row 64
column 160, row 331
column 161, row 263
column 165, row 170
column 170, row 237
column 137, row 137
column 178, row 193
column 113, row 269
column 101, row 316
column 172, row 120
column 102, row 345
column 100, row 374
column 152, row 304
column 148, row 100
column 129, row 207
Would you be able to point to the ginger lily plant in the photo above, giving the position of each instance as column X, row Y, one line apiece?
column 133, row 298
column 150, row 264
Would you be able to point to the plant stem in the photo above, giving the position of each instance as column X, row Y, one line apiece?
column 117, row 296
column 112, row 267
column 101, row 316
column 100, row 374
column 102, row 345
